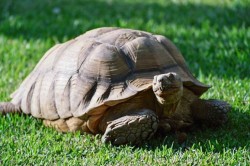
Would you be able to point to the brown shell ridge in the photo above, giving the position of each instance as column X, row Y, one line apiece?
column 63, row 49
column 25, row 93
column 85, row 51
column 105, row 95
column 98, row 96
column 66, row 57
column 47, row 54
column 110, row 101
column 88, row 96
column 80, row 87
column 34, row 72
column 104, row 62
column 62, row 95
column 47, row 97
column 99, row 31
column 35, row 100
column 25, row 103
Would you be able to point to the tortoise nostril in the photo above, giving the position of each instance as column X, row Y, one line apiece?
column 171, row 77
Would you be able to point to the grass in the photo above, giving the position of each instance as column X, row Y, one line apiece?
column 213, row 37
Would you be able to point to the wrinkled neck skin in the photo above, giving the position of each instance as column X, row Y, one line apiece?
column 169, row 104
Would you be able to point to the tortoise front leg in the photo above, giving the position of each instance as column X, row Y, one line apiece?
column 134, row 128
column 210, row 112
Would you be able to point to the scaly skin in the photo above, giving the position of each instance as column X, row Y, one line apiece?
column 132, row 129
column 211, row 112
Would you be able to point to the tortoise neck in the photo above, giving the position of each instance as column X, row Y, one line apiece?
column 166, row 109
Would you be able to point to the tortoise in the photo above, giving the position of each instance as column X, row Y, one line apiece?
column 121, row 83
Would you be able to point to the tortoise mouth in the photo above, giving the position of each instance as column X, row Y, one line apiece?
column 166, row 91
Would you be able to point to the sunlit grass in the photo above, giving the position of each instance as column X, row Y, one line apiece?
column 213, row 37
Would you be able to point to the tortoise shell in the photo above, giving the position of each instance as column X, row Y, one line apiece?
column 97, row 70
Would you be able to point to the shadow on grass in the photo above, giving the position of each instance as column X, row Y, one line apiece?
column 235, row 134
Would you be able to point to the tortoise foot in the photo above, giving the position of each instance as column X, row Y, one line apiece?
column 131, row 129
column 210, row 112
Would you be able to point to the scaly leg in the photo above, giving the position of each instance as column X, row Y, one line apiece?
column 134, row 128
column 210, row 112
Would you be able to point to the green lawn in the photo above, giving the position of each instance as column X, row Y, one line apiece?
column 213, row 36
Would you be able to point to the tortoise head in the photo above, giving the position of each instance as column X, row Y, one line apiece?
column 168, row 88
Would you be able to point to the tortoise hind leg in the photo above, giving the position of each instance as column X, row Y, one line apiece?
column 133, row 128
column 67, row 125
column 211, row 112
column 8, row 107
